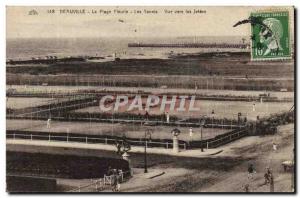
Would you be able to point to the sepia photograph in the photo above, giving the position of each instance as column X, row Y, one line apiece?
column 150, row 99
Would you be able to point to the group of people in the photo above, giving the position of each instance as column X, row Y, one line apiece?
column 115, row 179
column 268, row 176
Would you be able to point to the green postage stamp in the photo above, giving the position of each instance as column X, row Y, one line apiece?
column 270, row 35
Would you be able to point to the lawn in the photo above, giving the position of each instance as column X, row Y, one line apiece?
column 24, row 102
column 221, row 109
column 130, row 130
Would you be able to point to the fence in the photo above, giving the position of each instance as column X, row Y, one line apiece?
column 226, row 139
column 55, row 108
column 168, row 144
column 90, row 140
column 101, row 183
column 125, row 118
column 101, row 92
column 220, row 139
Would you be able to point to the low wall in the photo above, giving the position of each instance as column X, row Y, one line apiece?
column 19, row 184
column 62, row 166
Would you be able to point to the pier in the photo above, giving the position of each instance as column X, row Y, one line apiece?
column 190, row 45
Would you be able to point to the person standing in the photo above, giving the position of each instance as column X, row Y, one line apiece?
column 118, row 183
column 253, row 107
column 191, row 133
column 268, row 176
column 274, row 146
column 251, row 171
column 168, row 117
column 49, row 123
column 147, row 115
column 114, row 181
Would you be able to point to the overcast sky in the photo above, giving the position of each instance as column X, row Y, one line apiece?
column 217, row 21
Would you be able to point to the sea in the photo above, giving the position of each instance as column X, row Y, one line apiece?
column 27, row 48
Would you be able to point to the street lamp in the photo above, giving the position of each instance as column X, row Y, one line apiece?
column 212, row 113
column 148, row 133
column 68, row 131
column 202, row 123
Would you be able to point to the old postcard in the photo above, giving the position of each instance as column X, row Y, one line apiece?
column 150, row 99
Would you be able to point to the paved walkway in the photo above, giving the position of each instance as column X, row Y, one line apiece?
column 105, row 147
